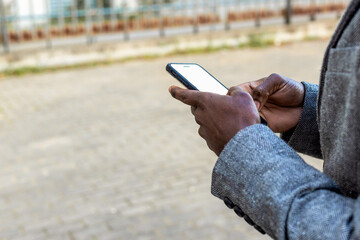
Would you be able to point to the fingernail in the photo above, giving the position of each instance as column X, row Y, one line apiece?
column 172, row 92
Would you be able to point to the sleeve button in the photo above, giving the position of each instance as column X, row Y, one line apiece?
column 238, row 211
column 228, row 203
column 248, row 220
column 260, row 230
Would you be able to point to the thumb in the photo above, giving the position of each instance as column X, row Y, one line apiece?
column 262, row 92
column 257, row 104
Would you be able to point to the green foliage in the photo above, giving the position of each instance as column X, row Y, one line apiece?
column 22, row 71
column 103, row 3
column 152, row 2
column 259, row 41
column 81, row 4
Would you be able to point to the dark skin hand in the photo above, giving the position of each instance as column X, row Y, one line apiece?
column 278, row 99
column 220, row 117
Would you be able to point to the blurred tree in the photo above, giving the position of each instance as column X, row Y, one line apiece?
column 107, row 3
column 81, row 3
column 151, row 2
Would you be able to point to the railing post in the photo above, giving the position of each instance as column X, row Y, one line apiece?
column 227, row 22
column 17, row 18
column 214, row 11
column 74, row 14
column 160, row 4
column 196, row 18
column 313, row 10
column 113, row 15
column 61, row 18
column 100, row 11
column 48, row 25
column 88, row 12
column 258, row 17
column 288, row 12
column 4, row 33
column 32, row 19
column 125, row 21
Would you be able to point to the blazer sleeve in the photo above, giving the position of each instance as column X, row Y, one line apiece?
column 268, row 184
column 305, row 138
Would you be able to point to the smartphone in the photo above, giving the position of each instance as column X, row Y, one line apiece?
column 195, row 77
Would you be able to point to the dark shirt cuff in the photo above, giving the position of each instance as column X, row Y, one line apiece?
column 305, row 138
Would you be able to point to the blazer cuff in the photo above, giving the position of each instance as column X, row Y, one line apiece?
column 259, row 175
column 305, row 137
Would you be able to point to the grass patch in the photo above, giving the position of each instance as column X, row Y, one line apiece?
column 36, row 70
column 22, row 71
column 199, row 50
column 311, row 38
column 260, row 40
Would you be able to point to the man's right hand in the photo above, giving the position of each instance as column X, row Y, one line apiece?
column 278, row 99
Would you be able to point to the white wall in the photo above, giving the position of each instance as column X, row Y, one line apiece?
column 130, row 3
column 23, row 9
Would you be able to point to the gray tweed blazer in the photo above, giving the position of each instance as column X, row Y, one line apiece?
column 264, row 180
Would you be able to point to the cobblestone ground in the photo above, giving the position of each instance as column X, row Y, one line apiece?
column 105, row 153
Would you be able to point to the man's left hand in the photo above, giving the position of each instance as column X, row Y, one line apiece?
column 220, row 117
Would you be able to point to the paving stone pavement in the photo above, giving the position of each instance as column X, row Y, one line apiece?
column 106, row 153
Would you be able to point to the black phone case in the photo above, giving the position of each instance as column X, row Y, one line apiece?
column 182, row 79
column 188, row 85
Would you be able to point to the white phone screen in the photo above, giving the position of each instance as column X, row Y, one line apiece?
column 201, row 79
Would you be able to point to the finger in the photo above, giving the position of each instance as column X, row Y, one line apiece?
column 239, row 91
column 249, row 86
column 262, row 92
column 246, row 87
column 257, row 104
column 198, row 114
column 193, row 110
column 189, row 97
column 196, row 110
column 235, row 90
column 256, row 83
column 202, row 132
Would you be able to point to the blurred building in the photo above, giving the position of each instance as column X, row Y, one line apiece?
column 27, row 12
column 30, row 13
column 57, row 6
column 129, row 3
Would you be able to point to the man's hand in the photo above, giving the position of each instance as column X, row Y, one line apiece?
column 278, row 99
column 220, row 117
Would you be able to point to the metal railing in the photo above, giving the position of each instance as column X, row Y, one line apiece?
column 46, row 21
